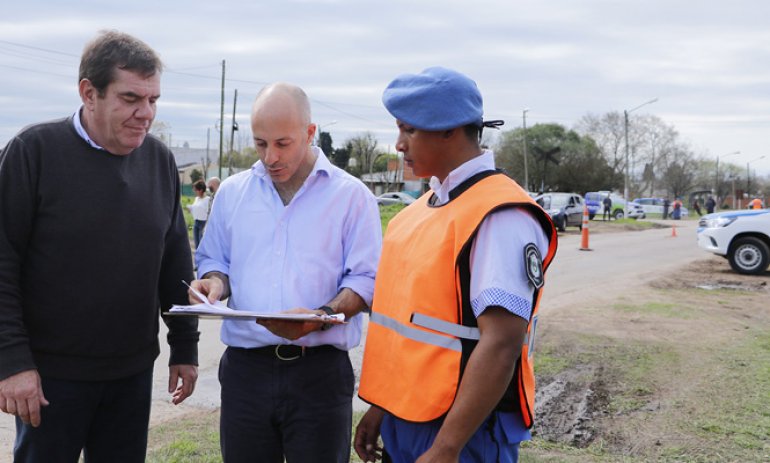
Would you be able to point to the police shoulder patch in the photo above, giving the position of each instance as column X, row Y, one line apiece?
column 534, row 265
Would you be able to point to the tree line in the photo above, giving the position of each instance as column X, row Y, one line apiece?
column 589, row 157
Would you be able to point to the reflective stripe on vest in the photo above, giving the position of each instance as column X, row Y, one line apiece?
column 415, row 334
column 442, row 326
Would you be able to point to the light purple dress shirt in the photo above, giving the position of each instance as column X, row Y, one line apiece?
column 299, row 255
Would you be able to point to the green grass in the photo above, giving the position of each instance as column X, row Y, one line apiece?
column 638, row 366
column 548, row 363
column 387, row 212
column 733, row 408
column 663, row 309
column 633, row 223
column 190, row 439
column 186, row 201
column 195, row 439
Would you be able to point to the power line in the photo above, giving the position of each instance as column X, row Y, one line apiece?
column 7, row 52
column 347, row 113
column 47, row 50
column 36, row 71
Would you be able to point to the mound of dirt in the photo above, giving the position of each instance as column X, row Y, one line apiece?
column 713, row 273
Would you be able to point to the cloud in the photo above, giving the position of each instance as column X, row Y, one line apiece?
column 707, row 62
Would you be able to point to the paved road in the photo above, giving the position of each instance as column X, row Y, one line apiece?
column 617, row 258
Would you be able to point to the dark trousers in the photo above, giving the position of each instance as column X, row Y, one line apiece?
column 108, row 420
column 300, row 409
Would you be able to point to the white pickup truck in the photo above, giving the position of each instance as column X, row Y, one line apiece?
column 743, row 237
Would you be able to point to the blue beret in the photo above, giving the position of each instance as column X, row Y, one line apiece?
column 435, row 99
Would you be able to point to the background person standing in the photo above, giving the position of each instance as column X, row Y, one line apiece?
column 696, row 206
column 676, row 214
column 200, row 211
column 710, row 204
column 213, row 185
column 607, row 202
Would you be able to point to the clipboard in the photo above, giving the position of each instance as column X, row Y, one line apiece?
column 212, row 311
column 218, row 310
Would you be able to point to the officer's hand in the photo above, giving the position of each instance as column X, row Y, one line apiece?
column 367, row 437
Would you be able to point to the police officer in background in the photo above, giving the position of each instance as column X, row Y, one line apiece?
column 448, row 362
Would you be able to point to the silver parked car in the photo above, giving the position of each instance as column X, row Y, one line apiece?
column 655, row 206
column 395, row 197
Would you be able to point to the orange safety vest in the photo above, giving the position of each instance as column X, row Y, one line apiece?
column 422, row 328
column 755, row 203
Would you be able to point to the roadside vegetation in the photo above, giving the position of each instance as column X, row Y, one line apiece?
column 672, row 374
column 665, row 373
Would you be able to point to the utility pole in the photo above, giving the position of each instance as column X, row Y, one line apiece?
column 716, row 178
column 233, row 128
column 526, row 173
column 625, row 127
column 652, row 167
column 208, row 163
column 222, row 120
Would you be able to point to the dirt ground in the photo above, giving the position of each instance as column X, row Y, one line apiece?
column 605, row 391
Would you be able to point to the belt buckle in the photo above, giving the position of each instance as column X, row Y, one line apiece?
column 286, row 359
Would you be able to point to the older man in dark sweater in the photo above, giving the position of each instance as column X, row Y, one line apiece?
column 92, row 245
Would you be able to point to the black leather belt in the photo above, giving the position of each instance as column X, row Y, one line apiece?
column 288, row 352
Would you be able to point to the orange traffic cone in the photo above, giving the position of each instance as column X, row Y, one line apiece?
column 584, row 232
column 673, row 231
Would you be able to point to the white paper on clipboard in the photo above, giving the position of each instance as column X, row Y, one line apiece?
column 218, row 310
column 212, row 311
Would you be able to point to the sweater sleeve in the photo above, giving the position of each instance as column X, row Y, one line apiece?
column 177, row 265
column 18, row 184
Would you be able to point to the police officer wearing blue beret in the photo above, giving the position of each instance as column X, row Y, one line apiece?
column 448, row 360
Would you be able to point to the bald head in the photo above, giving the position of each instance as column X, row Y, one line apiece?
column 282, row 100
column 283, row 134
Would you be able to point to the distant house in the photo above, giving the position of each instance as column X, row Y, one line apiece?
column 396, row 178
column 189, row 159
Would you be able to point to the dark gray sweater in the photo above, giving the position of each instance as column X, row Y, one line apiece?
column 91, row 246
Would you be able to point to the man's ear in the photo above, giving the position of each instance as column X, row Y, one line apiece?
column 88, row 93
column 311, row 129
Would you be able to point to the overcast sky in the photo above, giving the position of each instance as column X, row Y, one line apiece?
column 708, row 62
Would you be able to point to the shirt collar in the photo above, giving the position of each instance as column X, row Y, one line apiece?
column 485, row 161
column 82, row 130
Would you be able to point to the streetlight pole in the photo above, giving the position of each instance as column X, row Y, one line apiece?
column 625, row 119
column 318, row 133
column 748, row 176
column 716, row 177
column 526, row 173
